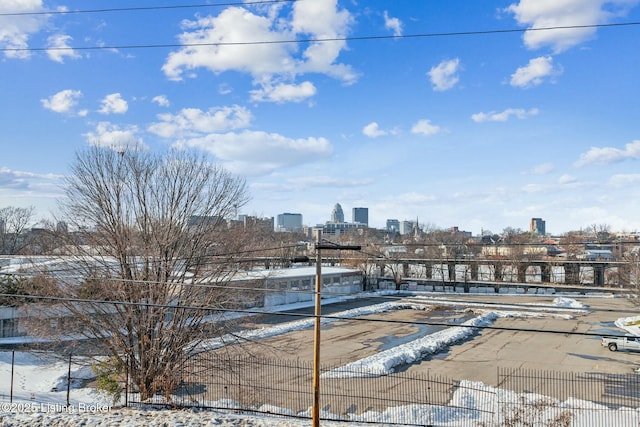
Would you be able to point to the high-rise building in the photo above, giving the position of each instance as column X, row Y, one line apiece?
column 337, row 215
column 289, row 222
column 407, row 227
column 393, row 225
column 538, row 226
column 360, row 215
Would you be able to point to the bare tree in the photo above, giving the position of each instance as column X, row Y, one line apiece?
column 601, row 233
column 573, row 243
column 14, row 228
column 152, row 257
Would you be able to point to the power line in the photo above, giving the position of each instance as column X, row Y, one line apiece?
column 317, row 40
column 144, row 8
column 232, row 281
column 303, row 315
column 231, row 284
column 211, row 259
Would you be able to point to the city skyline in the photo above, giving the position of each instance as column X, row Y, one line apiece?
column 480, row 115
column 287, row 221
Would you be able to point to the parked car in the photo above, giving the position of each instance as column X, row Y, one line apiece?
column 621, row 343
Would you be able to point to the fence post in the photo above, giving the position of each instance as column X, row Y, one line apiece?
column 126, row 381
column 69, row 381
column 13, row 360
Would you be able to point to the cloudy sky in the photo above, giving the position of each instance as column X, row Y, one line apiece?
column 476, row 114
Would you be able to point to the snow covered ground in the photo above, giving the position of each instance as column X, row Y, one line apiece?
column 40, row 397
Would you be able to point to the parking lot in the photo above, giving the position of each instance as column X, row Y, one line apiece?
column 548, row 343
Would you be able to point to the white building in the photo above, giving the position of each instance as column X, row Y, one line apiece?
column 253, row 289
column 294, row 285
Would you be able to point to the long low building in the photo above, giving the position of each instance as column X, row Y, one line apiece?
column 253, row 289
column 292, row 285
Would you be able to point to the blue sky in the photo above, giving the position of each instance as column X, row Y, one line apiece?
column 482, row 131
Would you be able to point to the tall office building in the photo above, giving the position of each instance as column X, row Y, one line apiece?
column 337, row 215
column 538, row 226
column 290, row 222
column 393, row 225
column 407, row 227
column 360, row 215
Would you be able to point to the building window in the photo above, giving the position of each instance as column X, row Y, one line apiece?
column 8, row 328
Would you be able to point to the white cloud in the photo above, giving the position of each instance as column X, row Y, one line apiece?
column 373, row 131
column 532, row 188
column 302, row 183
column 322, row 19
column 63, row 101
column 413, row 198
column 193, row 122
column 233, row 25
column 224, row 89
column 16, row 30
column 161, row 100
column 605, row 155
column 565, row 13
column 281, row 93
column 113, row 104
column 534, row 72
column 444, row 75
column 542, row 169
column 503, row 116
column 424, row 127
column 247, row 152
column 23, row 180
column 113, row 136
column 256, row 152
column 264, row 61
column 624, row 180
column 566, row 179
column 393, row 24
column 59, row 48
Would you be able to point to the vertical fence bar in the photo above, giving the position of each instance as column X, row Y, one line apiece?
column 13, row 364
column 69, row 382
column 126, row 382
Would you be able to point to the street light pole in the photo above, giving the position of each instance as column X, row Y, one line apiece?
column 316, row 340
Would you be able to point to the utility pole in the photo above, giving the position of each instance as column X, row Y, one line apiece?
column 316, row 329
column 316, row 339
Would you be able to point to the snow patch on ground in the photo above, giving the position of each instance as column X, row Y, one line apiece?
column 568, row 302
column 383, row 363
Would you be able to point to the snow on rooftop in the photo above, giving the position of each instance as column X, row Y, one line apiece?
column 293, row 272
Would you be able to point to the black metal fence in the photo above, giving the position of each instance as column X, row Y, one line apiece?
column 521, row 398
column 590, row 398
column 283, row 387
